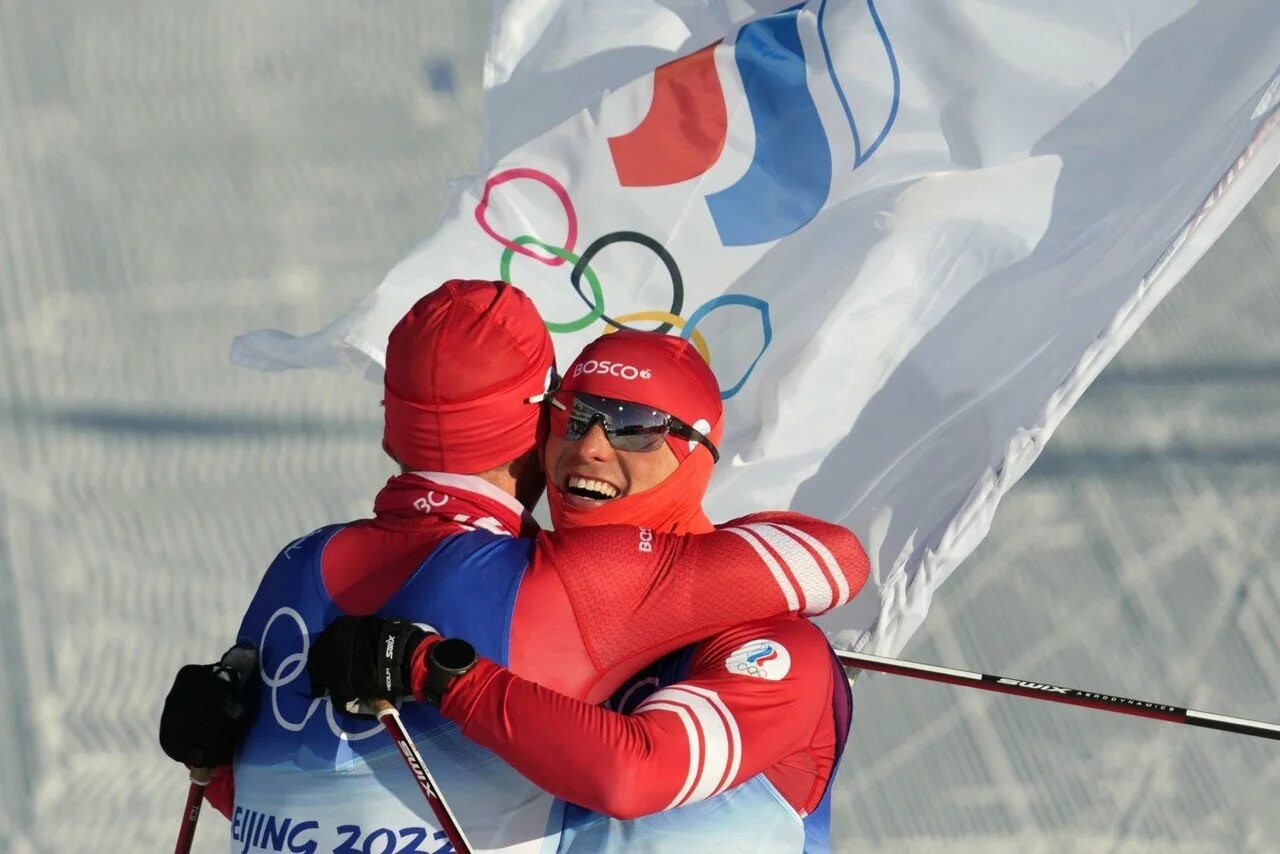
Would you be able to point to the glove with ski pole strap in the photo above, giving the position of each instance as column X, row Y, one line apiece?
column 209, row 708
column 363, row 658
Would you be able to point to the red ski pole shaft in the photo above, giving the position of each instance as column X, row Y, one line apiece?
column 394, row 726
column 191, row 813
column 1059, row 694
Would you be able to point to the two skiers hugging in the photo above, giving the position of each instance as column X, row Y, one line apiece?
column 636, row 679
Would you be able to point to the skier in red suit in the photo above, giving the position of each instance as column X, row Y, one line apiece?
column 467, row 370
column 762, row 703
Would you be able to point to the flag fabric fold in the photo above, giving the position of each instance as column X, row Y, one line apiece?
column 906, row 236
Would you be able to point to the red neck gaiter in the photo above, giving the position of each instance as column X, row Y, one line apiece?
column 672, row 507
column 415, row 497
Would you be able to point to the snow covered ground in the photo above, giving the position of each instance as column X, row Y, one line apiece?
column 173, row 173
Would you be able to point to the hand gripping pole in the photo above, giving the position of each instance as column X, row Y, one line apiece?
column 236, row 666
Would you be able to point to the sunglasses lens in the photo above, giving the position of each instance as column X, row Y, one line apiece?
column 638, row 441
column 580, row 416
column 629, row 426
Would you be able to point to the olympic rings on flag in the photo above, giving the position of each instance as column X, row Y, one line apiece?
column 677, row 282
column 666, row 319
column 571, row 216
column 699, row 340
column 596, row 312
column 766, row 329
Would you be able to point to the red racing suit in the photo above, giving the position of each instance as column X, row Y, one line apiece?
column 754, row 699
column 596, row 605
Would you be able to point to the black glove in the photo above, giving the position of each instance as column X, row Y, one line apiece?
column 363, row 658
column 208, row 709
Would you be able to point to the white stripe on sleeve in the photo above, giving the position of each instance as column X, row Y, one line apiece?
column 784, row 583
column 842, row 584
column 735, row 735
column 686, row 718
column 813, row 582
column 721, row 743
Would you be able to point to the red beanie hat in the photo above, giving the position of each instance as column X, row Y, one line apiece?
column 462, row 366
column 657, row 370
column 666, row 373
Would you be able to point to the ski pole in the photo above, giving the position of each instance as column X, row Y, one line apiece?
column 391, row 722
column 1058, row 694
column 191, row 814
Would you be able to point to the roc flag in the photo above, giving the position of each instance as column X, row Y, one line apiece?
column 906, row 235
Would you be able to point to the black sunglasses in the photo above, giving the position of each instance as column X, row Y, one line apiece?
column 628, row 426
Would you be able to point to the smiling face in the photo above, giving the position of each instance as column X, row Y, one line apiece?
column 590, row 472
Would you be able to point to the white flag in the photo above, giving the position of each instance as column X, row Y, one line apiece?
column 907, row 235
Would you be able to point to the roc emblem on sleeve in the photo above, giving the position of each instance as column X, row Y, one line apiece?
column 764, row 659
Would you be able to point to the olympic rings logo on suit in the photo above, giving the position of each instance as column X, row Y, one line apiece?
column 667, row 319
column 290, row 668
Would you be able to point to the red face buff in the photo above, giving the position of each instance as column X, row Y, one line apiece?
column 462, row 368
column 666, row 373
